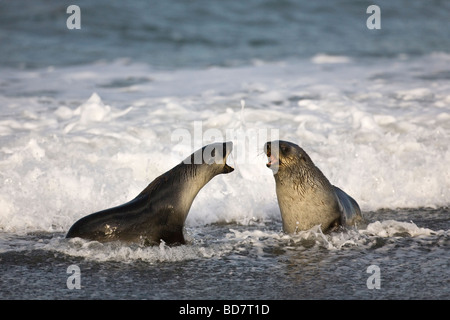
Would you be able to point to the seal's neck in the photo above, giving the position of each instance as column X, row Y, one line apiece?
column 196, row 176
column 178, row 187
column 188, row 180
column 299, row 179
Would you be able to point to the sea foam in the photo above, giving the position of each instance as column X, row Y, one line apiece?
column 380, row 132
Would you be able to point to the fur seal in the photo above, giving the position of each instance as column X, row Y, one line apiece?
column 305, row 196
column 160, row 210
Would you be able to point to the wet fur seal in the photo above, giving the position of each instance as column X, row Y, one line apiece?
column 160, row 210
column 305, row 196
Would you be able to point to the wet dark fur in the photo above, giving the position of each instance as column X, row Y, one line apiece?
column 158, row 212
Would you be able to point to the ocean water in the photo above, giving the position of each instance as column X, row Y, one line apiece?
column 89, row 117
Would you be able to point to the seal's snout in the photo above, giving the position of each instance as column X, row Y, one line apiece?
column 227, row 148
column 271, row 152
column 272, row 161
column 267, row 148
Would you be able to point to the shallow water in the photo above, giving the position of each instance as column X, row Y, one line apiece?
column 231, row 261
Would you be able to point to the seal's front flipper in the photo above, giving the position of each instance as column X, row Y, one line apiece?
column 350, row 211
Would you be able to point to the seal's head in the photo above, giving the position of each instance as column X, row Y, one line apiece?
column 212, row 156
column 285, row 155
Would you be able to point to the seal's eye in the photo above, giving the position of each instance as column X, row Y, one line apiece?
column 213, row 153
column 284, row 149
